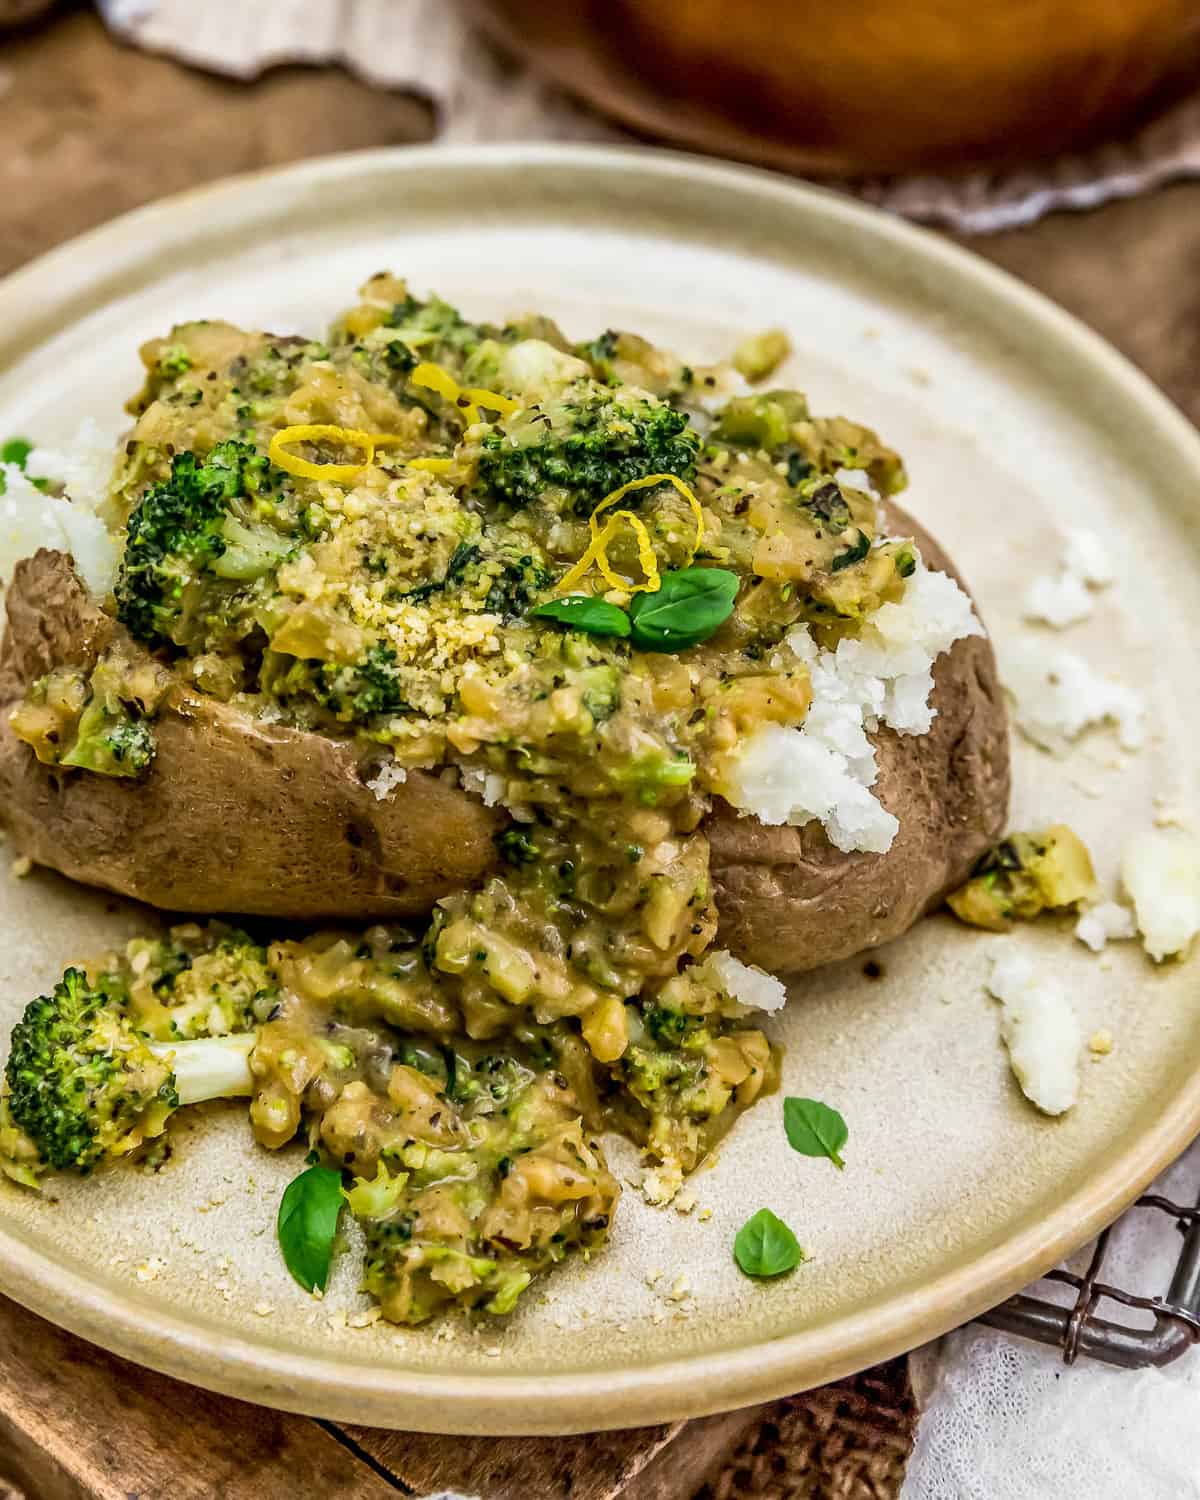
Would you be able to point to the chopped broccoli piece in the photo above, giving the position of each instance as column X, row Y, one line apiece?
column 762, row 421
column 854, row 553
column 174, row 360
column 350, row 693
column 250, row 551
column 378, row 1197
column 674, row 1028
column 761, row 354
column 111, row 740
column 1025, row 875
column 199, row 982
column 82, row 1085
column 356, row 693
column 177, row 531
column 589, row 442
column 517, row 846
column 435, row 330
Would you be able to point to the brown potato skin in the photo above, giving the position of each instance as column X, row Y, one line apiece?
column 233, row 815
column 790, row 901
column 238, row 816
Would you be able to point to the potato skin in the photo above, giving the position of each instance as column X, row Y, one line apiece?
column 233, row 815
column 239, row 816
column 790, row 901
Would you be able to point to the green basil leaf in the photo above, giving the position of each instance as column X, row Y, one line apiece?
column 690, row 605
column 16, row 451
column 855, row 552
column 586, row 613
column 308, row 1221
column 814, row 1129
column 765, row 1246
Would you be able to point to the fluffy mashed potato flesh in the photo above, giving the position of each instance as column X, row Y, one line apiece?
column 824, row 769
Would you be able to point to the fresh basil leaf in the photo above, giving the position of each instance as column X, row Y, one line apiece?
column 16, row 451
column 814, row 1129
column 765, row 1246
column 308, row 1221
column 855, row 552
column 690, row 605
column 584, row 612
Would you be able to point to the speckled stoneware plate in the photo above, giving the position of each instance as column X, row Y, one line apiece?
column 1015, row 422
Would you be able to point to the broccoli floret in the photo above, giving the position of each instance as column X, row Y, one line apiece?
column 674, row 1028
column 352, row 693
column 199, row 982
column 111, row 740
column 436, row 331
column 505, row 579
column 589, row 442
column 177, row 531
column 82, row 1085
column 518, row 846
column 356, row 693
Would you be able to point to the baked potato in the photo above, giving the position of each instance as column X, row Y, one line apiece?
column 790, row 901
column 627, row 607
column 234, row 815
column 237, row 815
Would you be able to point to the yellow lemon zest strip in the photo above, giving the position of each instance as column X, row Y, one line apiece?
column 645, row 553
column 350, row 437
column 468, row 399
column 597, row 551
column 648, row 483
column 317, row 433
column 434, row 378
column 430, row 465
column 492, row 400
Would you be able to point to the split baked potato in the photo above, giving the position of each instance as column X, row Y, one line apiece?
column 566, row 578
column 236, row 815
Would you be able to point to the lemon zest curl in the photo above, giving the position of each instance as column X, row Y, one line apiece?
column 597, row 550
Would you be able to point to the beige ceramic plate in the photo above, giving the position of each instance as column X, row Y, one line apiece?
column 1015, row 422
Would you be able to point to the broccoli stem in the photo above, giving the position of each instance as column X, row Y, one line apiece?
column 211, row 1068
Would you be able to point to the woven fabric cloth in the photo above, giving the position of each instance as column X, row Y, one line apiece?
column 1005, row 1419
column 426, row 46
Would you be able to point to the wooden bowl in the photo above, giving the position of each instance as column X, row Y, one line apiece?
column 20, row 12
column 863, row 85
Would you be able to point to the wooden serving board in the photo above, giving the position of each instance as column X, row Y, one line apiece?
column 79, row 1424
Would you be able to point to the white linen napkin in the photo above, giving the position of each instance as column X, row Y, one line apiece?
column 1005, row 1419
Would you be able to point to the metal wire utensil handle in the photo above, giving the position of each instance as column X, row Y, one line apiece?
column 1078, row 1330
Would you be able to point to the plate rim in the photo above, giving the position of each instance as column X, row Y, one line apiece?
column 699, row 1384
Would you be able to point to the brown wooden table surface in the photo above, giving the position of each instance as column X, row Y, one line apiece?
column 87, row 130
